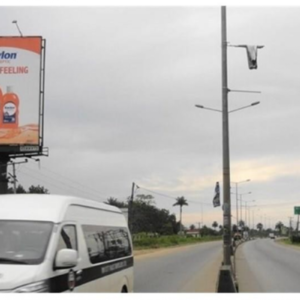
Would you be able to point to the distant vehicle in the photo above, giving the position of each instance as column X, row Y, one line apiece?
column 237, row 236
column 271, row 236
column 54, row 243
column 246, row 235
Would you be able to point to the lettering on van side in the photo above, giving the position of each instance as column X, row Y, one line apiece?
column 60, row 283
column 113, row 267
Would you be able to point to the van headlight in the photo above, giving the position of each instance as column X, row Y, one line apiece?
column 37, row 287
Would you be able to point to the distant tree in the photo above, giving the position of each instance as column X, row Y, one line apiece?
column 37, row 190
column 279, row 225
column 146, row 217
column 246, row 228
column 207, row 231
column 234, row 228
column 145, row 198
column 220, row 229
column 180, row 201
column 259, row 226
column 192, row 227
column 241, row 223
column 214, row 225
column 115, row 202
column 19, row 190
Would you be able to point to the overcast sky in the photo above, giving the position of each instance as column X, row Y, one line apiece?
column 121, row 89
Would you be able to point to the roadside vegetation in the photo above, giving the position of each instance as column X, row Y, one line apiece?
column 153, row 228
column 170, row 241
column 287, row 241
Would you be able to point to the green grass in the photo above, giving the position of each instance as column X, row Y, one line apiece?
column 170, row 241
column 287, row 241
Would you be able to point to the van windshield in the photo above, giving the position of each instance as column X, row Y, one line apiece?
column 23, row 242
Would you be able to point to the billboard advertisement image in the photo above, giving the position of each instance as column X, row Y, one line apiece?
column 21, row 60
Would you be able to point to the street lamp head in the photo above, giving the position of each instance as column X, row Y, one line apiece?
column 200, row 106
column 255, row 103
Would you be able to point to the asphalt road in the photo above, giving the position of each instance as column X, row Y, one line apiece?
column 265, row 266
column 183, row 269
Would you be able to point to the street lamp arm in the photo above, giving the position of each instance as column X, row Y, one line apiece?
column 208, row 108
column 253, row 104
column 239, row 182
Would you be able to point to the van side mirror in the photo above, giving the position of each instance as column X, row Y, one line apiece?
column 65, row 259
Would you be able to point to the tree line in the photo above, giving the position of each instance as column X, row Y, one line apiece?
column 146, row 217
column 31, row 190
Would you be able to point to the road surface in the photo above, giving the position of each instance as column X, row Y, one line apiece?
column 183, row 269
column 265, row 266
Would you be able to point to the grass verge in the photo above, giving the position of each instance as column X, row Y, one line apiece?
column 287, row 241
column 170, row 241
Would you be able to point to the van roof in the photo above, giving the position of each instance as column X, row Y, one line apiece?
column 43, row 207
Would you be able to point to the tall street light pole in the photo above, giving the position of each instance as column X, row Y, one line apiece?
column 246, row 213
column 237, row 200
column 226, row 281
column 249, row 215
column 226, row 159
column 241, row 206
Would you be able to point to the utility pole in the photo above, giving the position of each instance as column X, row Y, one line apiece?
column 14, row 177
column 246, row 222
column 199, row 228
column 202, row 213
column 3, row 174
column 241, row 206
column 237, row 204
column 130, row 208
column 290, row 231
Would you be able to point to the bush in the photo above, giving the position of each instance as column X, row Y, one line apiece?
column 295, row 239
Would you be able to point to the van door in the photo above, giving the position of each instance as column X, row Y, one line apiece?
column 64, row 280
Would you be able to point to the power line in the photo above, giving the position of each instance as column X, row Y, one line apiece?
column 85, row 189
column 279, row 203
column 71, row 180
column 170, row 197
column 40, row 179
column 65, row 186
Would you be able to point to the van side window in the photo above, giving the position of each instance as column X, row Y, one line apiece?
column 106, row 243
column 67, row 238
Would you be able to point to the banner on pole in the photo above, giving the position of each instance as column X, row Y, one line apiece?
column 216, row 199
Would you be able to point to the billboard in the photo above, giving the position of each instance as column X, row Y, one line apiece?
column 22, row 65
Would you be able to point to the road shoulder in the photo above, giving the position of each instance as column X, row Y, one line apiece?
column 247, row 281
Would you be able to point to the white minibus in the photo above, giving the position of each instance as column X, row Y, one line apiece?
column 51, row 243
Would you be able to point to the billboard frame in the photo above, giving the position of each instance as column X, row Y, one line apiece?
column 29, row 150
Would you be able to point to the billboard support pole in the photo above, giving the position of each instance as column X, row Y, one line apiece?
column 3, row 174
